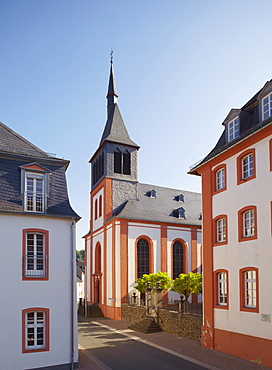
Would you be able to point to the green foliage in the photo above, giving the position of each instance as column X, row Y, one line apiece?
column 80, row 254
column 188, row 284
column 153, row 279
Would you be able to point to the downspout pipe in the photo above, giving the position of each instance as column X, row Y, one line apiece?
column 73, row 253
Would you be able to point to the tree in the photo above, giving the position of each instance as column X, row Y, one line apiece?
column 80, row 254
column 187, row 285
column 153, row 279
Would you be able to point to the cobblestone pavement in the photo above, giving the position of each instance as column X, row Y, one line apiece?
column 181, row 347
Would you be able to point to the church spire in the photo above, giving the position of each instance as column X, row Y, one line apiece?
column 112, row 93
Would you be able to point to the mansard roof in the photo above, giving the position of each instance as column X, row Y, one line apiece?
column 18, row 154
column 250, row 121
column 163, row 207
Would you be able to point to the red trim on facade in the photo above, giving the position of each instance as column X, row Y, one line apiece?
column 47, row 329
column 242, row 289
column 270, row 154
column 241, row 237
column 215, row 288
column 46, row 247
column 217, row 218
column 248, row 347
column 124, row 260
column 151, row 255
column 239, row 164
column 163, row 248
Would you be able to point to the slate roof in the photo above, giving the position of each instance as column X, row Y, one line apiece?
column 163, row 207
column 15, row 151
column 248, row 124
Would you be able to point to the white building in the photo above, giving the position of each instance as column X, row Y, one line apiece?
column 237, row 233
column 37, row 228
column 135, row 228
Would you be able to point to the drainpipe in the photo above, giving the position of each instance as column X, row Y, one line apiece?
column 73, row 251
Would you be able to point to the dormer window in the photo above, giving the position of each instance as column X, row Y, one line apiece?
column 180, row 213
column 267, row 106
column 233, row 129
column 180, row 198
column 34, row 192
column 34, row 185
column 152, row 194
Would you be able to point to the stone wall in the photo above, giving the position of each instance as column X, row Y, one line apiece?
column 183, row 325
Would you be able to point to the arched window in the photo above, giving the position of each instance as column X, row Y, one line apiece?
column 142, row 257
column 126, row 163
column 98, row 258
column 100, row 205
column 178, row 259
column 117, row 161
column 95, row 209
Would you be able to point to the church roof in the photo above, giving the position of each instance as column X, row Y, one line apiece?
column 160, row 204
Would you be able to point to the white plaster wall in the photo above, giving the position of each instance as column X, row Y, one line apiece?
column 256, row 253
column 117, row 265
column 109, row 264
column 134, row 231
column 88, row 272
column 17, row 295
column 99, row 221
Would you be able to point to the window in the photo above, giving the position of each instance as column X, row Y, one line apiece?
column 34, row 192
column 220, row 230
column 221, row 288
column 152, row 194
column 98, row 258
column 247, row 219
column 246, row 166
column 35, row 254
column 219, row 178
column 143, row 257
column 249, row 300
column 98, row 168
column 233, row 129
column 122, row 162
column 35, row 330
column 178, row 259
column 100, row 205
column 267, row 106
column 180, row 198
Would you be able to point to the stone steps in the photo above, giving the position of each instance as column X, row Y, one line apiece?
column 146, row 326
column 94, row 311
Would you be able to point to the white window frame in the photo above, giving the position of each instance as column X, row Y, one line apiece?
column 222, row 289
column 34, row 199
column 249, row 223
column 35, row 330
column 221, row 230
column 250, row 280
column 247, row 166
column 35, row 259
column 220, row 179
column 267, row 106
column 233, row 129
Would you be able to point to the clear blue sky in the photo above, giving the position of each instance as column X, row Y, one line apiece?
column 180, row 66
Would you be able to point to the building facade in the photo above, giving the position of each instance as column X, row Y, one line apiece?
column 37, row 228
column 237, row 233
column 134, row 228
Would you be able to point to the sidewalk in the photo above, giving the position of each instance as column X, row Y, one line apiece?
column 181, row 347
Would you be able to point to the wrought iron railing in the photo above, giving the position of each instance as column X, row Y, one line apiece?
column 35, row 265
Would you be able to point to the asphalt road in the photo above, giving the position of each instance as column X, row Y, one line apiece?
column 122, row 352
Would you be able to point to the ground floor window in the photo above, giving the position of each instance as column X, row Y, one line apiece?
column 35, row 329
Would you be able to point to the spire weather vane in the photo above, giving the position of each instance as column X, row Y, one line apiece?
column 111, row 55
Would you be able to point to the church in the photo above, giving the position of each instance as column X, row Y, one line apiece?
column 135, row 228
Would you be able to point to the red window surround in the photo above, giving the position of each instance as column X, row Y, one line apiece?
column 214, row 173
column 46, row 254
column 242, row 290
column 239, row 164
column 215, row 235
column 241, row 212
column 151, row 255
column 216, row 289
column 46, row 330
column 185, row 255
